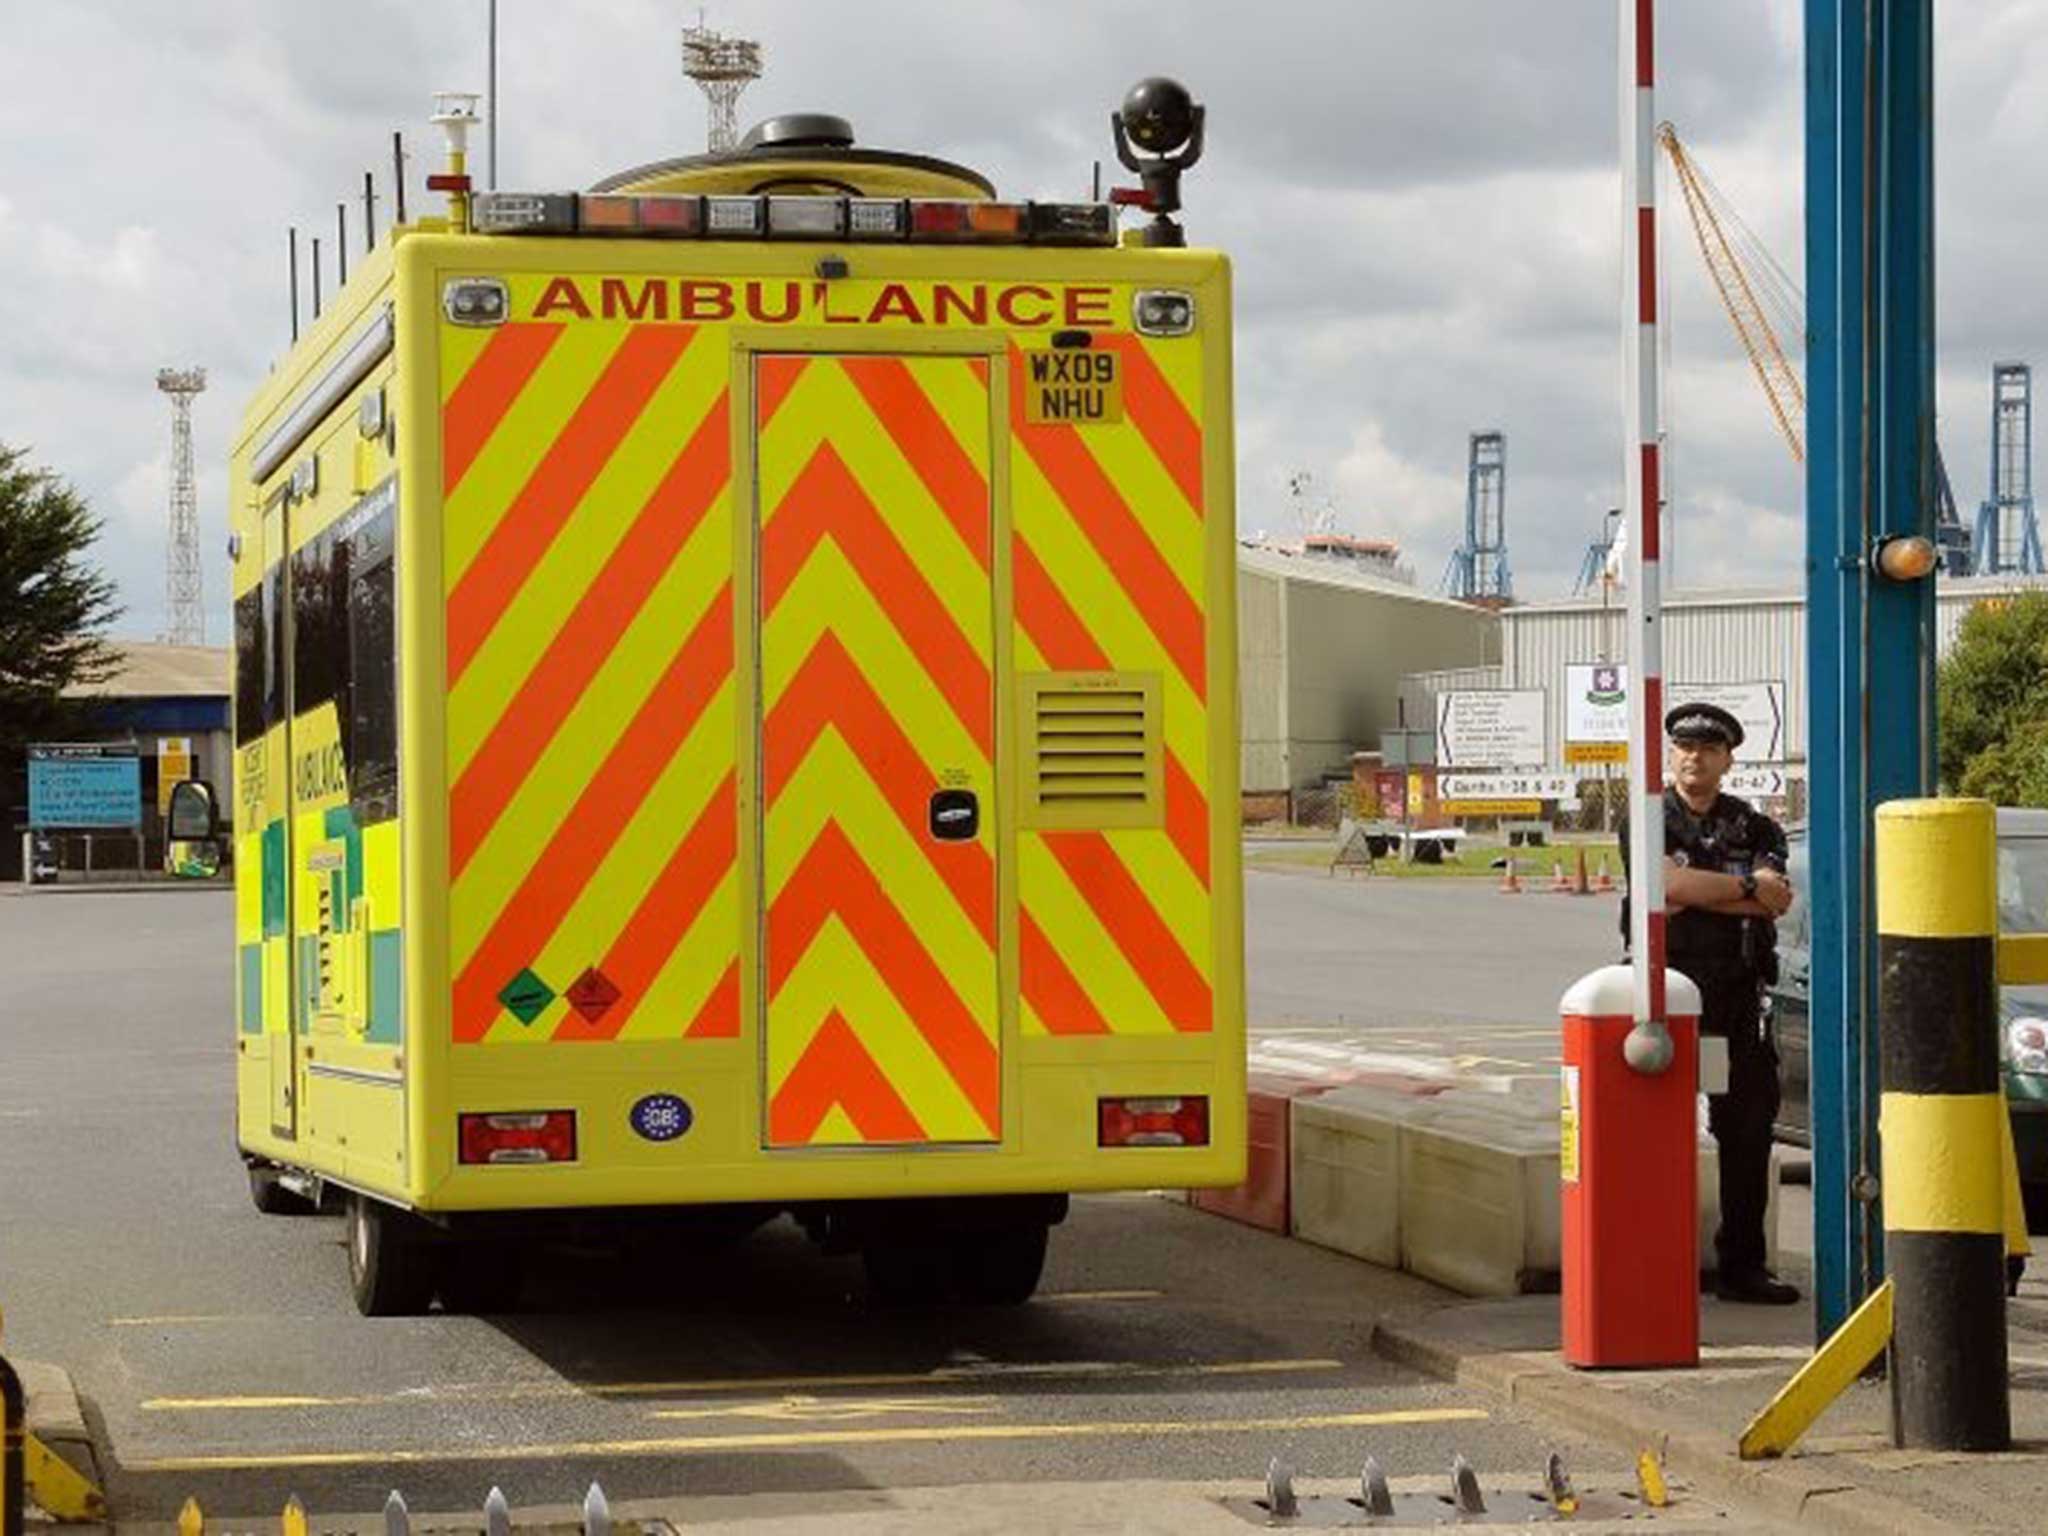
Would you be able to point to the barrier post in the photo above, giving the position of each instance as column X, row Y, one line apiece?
column 13, row 1432
column 1629, row 1161
column 1941, row 1122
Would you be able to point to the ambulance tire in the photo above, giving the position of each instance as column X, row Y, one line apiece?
column 390, row 1263
column 267, row 1190
column 999, row 1268
column 905, row 1271
column 479, row 1278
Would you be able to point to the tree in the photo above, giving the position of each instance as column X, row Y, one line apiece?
column 1994, row 702
column 55, row 606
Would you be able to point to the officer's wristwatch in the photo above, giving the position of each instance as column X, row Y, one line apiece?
column 1749, row 887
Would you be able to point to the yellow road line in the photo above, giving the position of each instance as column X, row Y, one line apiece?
column 154, row 1322
column 940, row 1376
column 780, row 1440
column 1079, row 1296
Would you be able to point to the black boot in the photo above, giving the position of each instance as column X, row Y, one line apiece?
column 1755, row 1287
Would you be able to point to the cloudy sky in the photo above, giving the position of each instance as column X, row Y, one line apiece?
column 1421, row 197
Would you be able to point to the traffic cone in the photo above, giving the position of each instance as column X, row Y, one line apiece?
column 1560, row 882
column 1603, row 883
column 1510, row 882
column 1579, row 885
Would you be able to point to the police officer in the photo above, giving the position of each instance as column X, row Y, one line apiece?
column 1724, row 890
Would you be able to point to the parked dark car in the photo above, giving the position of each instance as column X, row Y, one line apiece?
column 2022, row 1011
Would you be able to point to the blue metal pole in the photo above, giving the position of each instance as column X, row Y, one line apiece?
column 1870, row 472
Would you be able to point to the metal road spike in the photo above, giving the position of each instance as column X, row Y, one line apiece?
column 191, row 1519
column 1558, row 1484
column 1280, row 1499
column 1465, row 1487
column 597, row 1513
column 497, row 1513
column 1372, row 1485
column 293, row 1521
column 397, row 1518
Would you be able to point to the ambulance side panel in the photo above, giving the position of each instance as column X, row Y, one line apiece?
column 734, row 581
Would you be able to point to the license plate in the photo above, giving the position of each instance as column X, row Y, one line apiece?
column 1072, row 386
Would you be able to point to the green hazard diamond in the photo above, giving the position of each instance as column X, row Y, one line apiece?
column 526, row 996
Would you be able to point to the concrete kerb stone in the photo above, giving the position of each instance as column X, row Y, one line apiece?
column 57, row 1417
column 1602, row 1407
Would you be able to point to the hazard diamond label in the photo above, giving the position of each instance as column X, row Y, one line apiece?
column 526, row 996
column 592, row 994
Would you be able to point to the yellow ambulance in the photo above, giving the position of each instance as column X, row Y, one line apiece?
column 735, row 714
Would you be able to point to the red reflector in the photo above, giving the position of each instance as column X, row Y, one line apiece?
column 671, row 215
column 1181, row 1122
column 545, row 1136
column 441, row 181
column 933, row 218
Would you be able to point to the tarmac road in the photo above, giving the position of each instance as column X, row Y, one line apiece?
column 223, row 1357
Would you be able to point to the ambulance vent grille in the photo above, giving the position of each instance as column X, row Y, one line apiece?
column 1091, row 750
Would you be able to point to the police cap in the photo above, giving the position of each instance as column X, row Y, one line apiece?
column 1703, row 722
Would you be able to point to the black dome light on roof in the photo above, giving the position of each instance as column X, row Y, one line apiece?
column 799, row 130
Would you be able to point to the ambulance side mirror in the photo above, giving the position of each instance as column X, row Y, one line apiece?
column 194, row 816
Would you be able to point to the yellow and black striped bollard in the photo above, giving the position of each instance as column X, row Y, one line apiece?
column 1940, row 1125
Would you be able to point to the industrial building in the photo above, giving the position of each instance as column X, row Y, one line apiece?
column 1718, row 636
column 1323, row 645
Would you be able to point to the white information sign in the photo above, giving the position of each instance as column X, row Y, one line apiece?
column 1759, row 706
column 1762, row 783
column 1507, row 786
column 1490, row 728
column 1596, row 704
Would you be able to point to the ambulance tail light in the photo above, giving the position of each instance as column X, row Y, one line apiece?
column 539, row 1136
column 944, row 220
column 1158, row 1122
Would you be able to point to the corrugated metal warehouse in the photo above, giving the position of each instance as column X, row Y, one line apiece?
column 1322, row 648
column 1710, row 636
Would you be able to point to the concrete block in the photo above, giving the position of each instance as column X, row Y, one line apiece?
column 1480, row 1208
column 1345, row 1184
column 1261, row 1200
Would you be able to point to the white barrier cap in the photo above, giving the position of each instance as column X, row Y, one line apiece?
column 1610, row 993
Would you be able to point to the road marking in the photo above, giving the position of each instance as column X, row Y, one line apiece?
column 156, row 1322
column 780, row 1440
column 1089, row 1370
column 826, row 1410
column 1071, row 1297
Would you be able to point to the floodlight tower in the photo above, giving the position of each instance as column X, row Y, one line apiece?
column 723, row 67
column 2008, row 537
column 1479, row 569
column 184, row 599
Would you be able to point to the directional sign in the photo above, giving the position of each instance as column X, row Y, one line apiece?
column 1490, row 807
column 1490, row 728
column 1760, row 706
column 83, row 785
column 1762, row 783
column 1507, row 786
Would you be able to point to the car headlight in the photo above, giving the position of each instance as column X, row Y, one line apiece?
column 2026, row 1045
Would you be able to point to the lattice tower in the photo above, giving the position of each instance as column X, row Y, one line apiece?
column 723, row 67
column 184, row 596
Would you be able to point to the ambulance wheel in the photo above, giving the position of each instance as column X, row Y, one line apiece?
column 479, row 1278
column 267, row 1190
column 390, row 1265
column 905, row 1272
column 999, row 1268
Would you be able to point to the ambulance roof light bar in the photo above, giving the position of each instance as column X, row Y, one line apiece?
column 919, row 220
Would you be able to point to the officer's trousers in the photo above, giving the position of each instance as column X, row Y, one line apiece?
column 1741, row 1119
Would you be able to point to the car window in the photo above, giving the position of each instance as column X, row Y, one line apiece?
column 2023, row 884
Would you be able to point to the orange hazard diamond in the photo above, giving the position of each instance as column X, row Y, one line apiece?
column 592, row 994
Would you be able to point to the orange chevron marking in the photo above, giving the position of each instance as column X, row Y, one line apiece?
column 1056, row 997
column 835, row 1069
column 664, row 915
column 487, row 391
column 543, row 505
column 828, row 689
column 1101, row 513
column 825, row 502
column 1161, row 418
column 774, row 377
column 1187, row 818
column 1123, row 910
column 719, row 1018
column 586, row 834
column 833, row 881
column 607, row 607
column 927, row 444
column 1062, row 639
